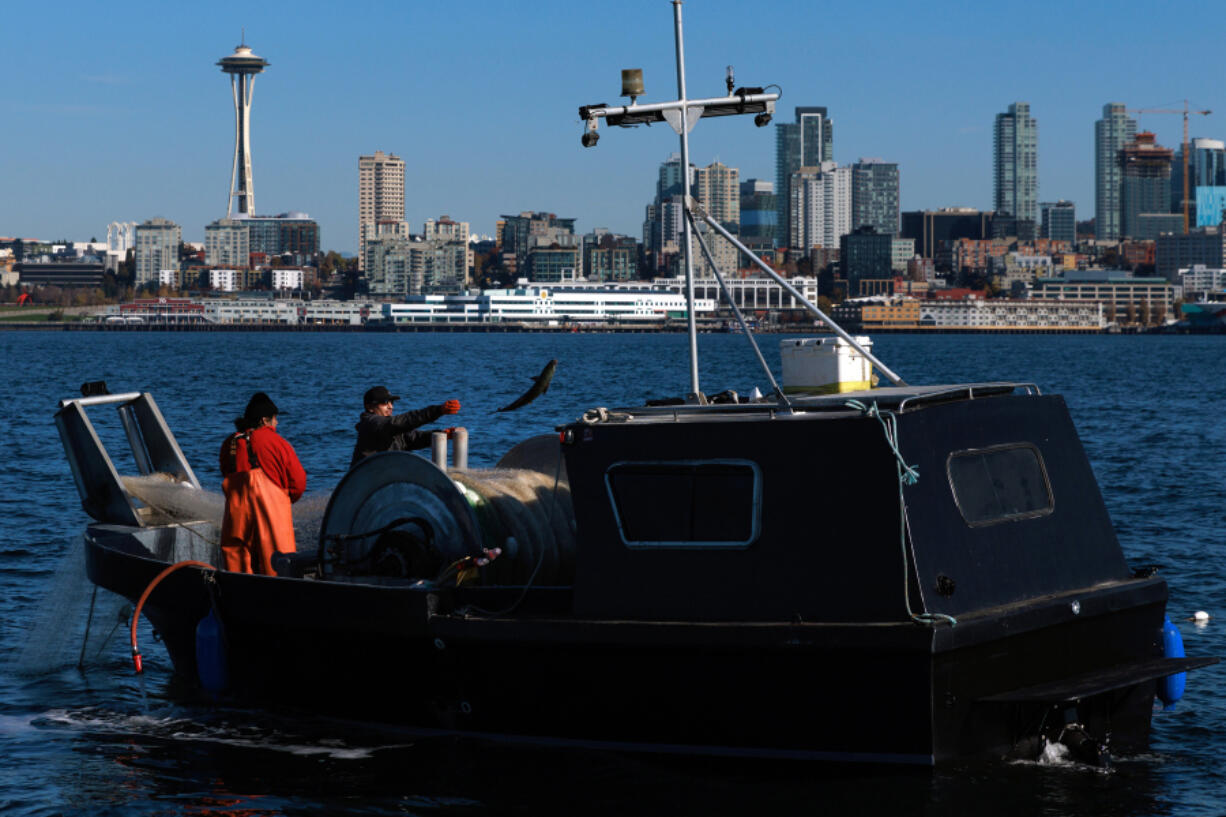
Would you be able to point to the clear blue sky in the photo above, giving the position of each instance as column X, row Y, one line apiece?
column 116, row 111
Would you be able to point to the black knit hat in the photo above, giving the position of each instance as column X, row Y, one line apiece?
column 379, row 394
column 258, row 407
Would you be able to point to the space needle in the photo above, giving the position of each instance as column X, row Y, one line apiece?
column 242, row 66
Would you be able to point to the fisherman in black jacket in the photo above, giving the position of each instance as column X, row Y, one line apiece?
column 380, row 430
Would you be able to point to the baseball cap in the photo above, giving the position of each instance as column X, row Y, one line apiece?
column 379, row 394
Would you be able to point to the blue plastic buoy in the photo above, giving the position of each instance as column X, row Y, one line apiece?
column 211, row 664
column 1171, row 688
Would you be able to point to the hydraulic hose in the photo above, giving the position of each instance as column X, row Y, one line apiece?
column 136, row 659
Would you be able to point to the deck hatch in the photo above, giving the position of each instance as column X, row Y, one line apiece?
column 1000, row 483
column 686, row 504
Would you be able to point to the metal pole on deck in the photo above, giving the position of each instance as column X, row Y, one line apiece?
column 438, row 449
column 685, row 189
column 681, row 115
column 795, row 293
column 459, row 448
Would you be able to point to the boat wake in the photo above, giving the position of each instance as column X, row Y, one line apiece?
column 214, row 729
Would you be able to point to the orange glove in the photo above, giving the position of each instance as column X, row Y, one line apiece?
column 450, row 432
column 451, row 407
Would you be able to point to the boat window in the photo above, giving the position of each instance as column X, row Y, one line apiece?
column 710, row 503
column 1000, row 483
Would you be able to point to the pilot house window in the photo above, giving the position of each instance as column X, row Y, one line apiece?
column 686, row 504
column 1000, row 483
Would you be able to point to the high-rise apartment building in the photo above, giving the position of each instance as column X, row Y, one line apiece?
column 1016, row 163
column 807, row 142
column 227, row 243
column 867, row 260
column 935, row 231
column 1111, row 133
column 380, row 192
column 1145, row 188
column 759, row 213
column 874, row 195
column 661, row 225
column 294, row 234
column 1208, row 165
column 1206, row 169
column 447, row 231
column 609, row 257
column 157, row 249
column 528, row 230
column 398, row 266
column 668, row 178
column 718, row 187
column 821, row 206
column 1058, row 221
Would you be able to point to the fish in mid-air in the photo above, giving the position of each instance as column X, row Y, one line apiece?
column 539, row 387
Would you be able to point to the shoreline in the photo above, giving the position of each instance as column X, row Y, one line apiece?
column 495, row 328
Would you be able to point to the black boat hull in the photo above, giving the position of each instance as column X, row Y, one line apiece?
column 880, row 692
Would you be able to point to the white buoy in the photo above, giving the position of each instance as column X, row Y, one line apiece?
column 1200, row 617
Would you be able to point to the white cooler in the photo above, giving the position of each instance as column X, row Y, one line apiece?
column 825, row 365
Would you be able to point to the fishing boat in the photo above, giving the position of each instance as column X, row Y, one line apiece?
column 836, row 570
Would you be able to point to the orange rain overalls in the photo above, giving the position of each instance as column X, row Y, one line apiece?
column 257, row 521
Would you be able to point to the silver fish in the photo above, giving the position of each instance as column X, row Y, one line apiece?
column 539, row 387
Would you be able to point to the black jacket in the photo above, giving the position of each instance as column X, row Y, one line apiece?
column 396, row 433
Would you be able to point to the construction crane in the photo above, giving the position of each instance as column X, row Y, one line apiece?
column 1185, row 111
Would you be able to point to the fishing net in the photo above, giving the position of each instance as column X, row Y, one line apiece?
column 74, row 624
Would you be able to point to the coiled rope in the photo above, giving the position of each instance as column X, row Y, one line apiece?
column 600, row 414
column 907, row 475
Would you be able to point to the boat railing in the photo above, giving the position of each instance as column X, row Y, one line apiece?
column 969, row 392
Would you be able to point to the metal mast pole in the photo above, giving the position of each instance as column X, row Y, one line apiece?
column 685, row 189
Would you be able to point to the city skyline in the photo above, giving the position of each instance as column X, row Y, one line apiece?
column 123, row 117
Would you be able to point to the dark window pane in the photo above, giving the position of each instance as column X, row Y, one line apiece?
column 653, row 503
column 681, row 503
column 995, row 484
column 723, row 496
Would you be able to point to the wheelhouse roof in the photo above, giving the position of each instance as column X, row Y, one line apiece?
column 895, row 398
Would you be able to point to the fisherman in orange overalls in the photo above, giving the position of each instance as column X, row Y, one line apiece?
column 262, row 476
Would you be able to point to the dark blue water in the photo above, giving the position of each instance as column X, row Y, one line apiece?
column 100, row 741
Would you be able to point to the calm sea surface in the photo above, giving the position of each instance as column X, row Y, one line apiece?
column 101, row 741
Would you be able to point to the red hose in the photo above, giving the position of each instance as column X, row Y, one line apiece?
column 136, row 660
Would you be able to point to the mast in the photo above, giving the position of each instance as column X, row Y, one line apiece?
column 681, row 115
column 686, row 238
